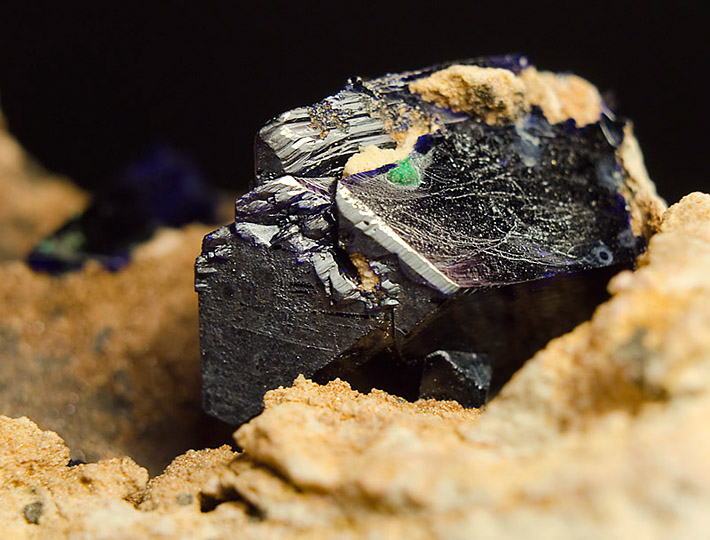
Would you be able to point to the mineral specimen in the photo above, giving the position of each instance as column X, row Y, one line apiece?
column 162, row 188
column 423, row 233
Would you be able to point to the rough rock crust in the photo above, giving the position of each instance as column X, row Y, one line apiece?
column 371, row 157
column 562, row 96
column 109, row 361
column 645, row 206
column 498, row 95
column 600, row 435
column 495, row 95
column 40, row 493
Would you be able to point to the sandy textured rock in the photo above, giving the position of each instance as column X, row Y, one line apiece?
column 371, row 157
column 492, row 94
column 562, row 96
column 646, row 207
column 182, row 480
column 109, row 361
column 498, row 95
column 39, row 491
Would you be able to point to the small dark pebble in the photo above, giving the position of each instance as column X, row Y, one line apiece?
column 184, row 498
column 102, row 340
column 75, row 462
column 33, row 512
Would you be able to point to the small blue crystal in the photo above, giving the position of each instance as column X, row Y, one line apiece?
column 161, row 189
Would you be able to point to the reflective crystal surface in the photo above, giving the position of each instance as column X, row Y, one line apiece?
column 404, row 244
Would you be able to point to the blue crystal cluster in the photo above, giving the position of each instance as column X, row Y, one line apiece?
column 161, row 189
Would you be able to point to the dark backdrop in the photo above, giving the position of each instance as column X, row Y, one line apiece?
column 85, row 89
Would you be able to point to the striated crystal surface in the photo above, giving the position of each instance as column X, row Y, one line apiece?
column 423, row 233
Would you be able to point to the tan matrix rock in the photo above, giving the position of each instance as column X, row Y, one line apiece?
column 38, row 490
column 109, row 360
column 497, row 95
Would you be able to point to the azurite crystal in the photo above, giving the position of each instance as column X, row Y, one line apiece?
column 423, row 233
column 161, row 189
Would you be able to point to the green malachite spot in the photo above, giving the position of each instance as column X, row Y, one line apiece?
column 404, row 174
column 64, row 243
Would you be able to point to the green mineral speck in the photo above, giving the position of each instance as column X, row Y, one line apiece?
column 404, row 174
column 33, row 512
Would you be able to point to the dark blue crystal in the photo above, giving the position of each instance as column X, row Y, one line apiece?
column 436, row 275
column 161, row 189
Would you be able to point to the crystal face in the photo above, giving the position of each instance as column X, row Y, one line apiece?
column 423, row 233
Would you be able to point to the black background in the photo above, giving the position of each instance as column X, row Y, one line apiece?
column 86, row 89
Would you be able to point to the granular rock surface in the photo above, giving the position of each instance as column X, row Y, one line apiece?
column 108, row 361
column 601, row 435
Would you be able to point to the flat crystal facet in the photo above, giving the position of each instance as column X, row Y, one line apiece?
column 434, row 271
column 529, row 222
column 458, row 375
